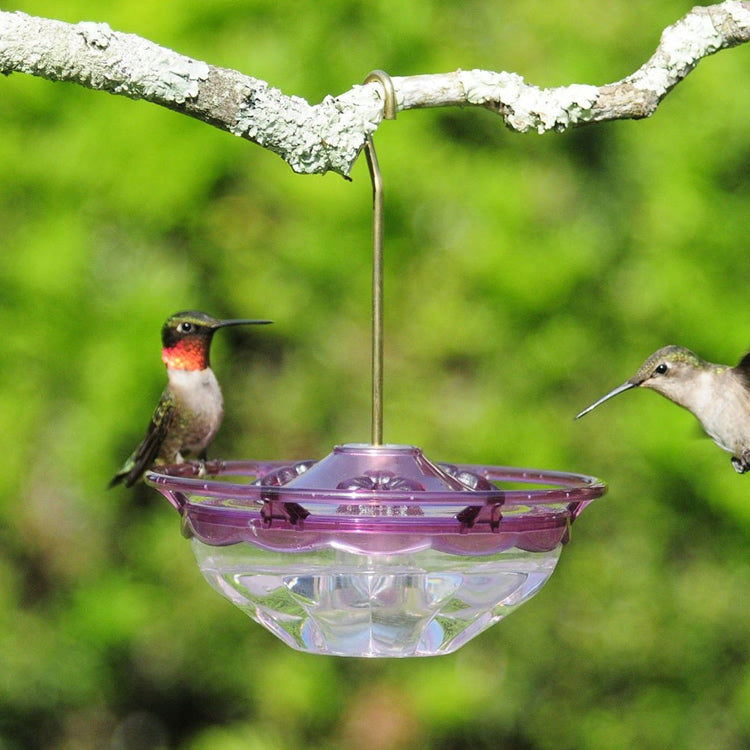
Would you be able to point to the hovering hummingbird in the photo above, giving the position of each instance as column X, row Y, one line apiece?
column 717, row 395
column 190, row 410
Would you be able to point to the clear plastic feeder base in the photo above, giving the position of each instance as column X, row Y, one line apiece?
column 375, row 550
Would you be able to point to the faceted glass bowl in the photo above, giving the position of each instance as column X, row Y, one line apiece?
column 375, row 550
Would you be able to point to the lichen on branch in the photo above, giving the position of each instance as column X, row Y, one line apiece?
column 329, row 136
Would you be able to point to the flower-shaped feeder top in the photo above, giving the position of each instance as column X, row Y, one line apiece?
column 375, row 550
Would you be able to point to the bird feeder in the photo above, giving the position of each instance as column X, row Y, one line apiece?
column 375, row 550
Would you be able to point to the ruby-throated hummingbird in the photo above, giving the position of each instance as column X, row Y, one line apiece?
column 717, row 395
column 191, row 408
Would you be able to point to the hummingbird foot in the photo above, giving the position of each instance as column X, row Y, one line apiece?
column 201, row 468
column 741, row 463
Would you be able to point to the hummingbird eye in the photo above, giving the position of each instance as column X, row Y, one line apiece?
column 661, row 369
column 185, row 327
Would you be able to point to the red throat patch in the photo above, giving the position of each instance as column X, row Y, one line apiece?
column 188, row 354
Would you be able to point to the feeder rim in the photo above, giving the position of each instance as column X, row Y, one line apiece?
column 566, row 486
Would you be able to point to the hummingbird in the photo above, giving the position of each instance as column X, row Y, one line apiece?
column 718, row 396
column 191, row 408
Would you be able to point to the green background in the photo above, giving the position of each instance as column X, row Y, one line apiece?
column 525, row 276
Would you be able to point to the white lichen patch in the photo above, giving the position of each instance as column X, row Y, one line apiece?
column 739, row 12
column 96, row 56
column 311, row 139
column 693, row 37
column 95, row 34
column 152, row 72
column 526, row 107
column 484, row 86
column 684, row 44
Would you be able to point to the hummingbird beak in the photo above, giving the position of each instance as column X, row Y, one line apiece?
column 241, row 322
column 626, row 386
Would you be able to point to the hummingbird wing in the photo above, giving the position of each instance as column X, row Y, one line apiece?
column 146, row 453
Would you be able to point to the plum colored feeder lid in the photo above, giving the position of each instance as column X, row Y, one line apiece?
column 375, row 550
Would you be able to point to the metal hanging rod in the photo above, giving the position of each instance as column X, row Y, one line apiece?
column 389, row 113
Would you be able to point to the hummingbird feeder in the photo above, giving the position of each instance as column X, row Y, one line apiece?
column 375, row 550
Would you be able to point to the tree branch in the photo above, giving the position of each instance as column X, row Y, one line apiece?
column 329, row 136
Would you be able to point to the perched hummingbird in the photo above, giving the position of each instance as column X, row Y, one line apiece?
column 717, row 395
column 190, row 410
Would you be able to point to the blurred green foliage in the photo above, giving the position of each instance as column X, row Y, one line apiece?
column 526, row 276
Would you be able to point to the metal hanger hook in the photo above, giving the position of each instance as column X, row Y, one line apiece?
column 390, row 103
